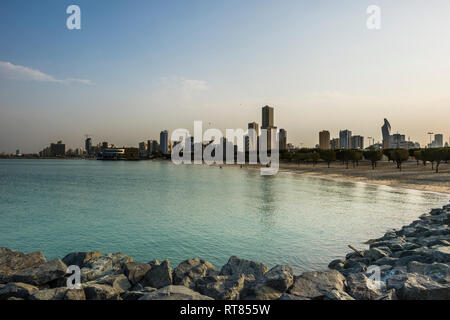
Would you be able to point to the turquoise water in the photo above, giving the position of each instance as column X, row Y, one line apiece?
column 159, row 210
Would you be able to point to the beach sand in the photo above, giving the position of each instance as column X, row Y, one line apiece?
column 412, row 176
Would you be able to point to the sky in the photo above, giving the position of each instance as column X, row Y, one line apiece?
column 137, row 67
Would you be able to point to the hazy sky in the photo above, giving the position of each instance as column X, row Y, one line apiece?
column 137, row 67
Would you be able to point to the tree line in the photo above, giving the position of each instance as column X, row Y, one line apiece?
column 435, row 156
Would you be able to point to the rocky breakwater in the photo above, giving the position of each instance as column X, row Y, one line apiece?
column 411, row 263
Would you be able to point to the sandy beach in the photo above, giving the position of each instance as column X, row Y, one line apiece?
column 412, row 176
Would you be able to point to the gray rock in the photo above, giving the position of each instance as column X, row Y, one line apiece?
column 158, row 276
column 419, row 287
column 133, row 295
column 314, row 285
column 175, row 293
column 81, row 258
column 375, row 254
column 386, row 261
column 220, row 287
column 100, row 292
column 11, row 261
column 236, row 266
column 190, row 270
column 17, row 290
column 280, row 277
column 389, row 295
column 416, row 267
column 419, row 258
column 337, row 264
column 361, row 288
column 117, row 281
column 439, row 272
column 442, row 254
column 42, row 274
column 104, row 265
column 49, row 294
column 75, row 294
column 136, row 271
column 291, row 297
column 337, row 295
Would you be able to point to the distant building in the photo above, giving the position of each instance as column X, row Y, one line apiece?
column 396, row 140
column 143, row 150
column 438, row 141
column 335, row 144
column 268, row 124
column 345, row 139
column 88, row 146
column 283, row 139
column 386, row 133
column 164, row 142
column 267, row 117
column 324, row 140
column 152, row 146
column 357, row 142
column 58, row 149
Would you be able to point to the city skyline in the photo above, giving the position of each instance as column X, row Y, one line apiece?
column 163, row 66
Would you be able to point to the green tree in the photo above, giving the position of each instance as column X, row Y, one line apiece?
column 328, row 156
column 373, row 156
column 344, row 155
column 399, row 156
column 418, row 156
column 427, row 155
column 356, row 156
column 438, row 155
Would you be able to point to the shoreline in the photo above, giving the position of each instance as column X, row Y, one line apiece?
column 412, row 263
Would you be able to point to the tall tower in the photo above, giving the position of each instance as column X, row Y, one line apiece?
column 386, row 132
column 345, row 139
column 324, row 140
column 164, row 142
column 268, row 124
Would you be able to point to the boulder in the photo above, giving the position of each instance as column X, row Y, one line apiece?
column 42, row 274
column 100, row 292
column 49, row 294
column 386, row 261
column 442, row 254
column 220, row 287
column 291, row 297
column 280, row 277
column 439, row 272
column 175, row 293
column 191, row 270
column 117, row 281
column 81, row 258
column 158, row 276
column 17, row 290
column 96, row 268
column 314, row 285
column 374, row 254
column 337, row 264
column 11, row 261
column 135, row 271
column 337, row 295
column 75, row 294
column 420, row 287
column 236, row 267
column 362, row 288
column 389, row 295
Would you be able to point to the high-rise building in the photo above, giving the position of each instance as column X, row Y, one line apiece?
column 386, row 133
column 164, row 142
column 439, row 140
column 396, row 140
column 335, row 144
column 143, row 150
column 268, row 124
column 57, row 149
column 324, row 140
column 345, row 139
column 88, row 146
column 267, row 117
column 252, row 136
column 357, row 142
column 283, row 139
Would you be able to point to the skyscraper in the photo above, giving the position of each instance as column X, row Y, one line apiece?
column 164, row 142
column 357, row 142
column 268, row 124
column 88, row 146
column 386, row 132
column 252, row 138
column 283, row 139
column 267, row 117
column 324, row 140
column 439, row 140
column 335, row 144
column 345, row 139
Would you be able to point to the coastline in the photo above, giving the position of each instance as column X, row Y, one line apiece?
column 412, row 263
